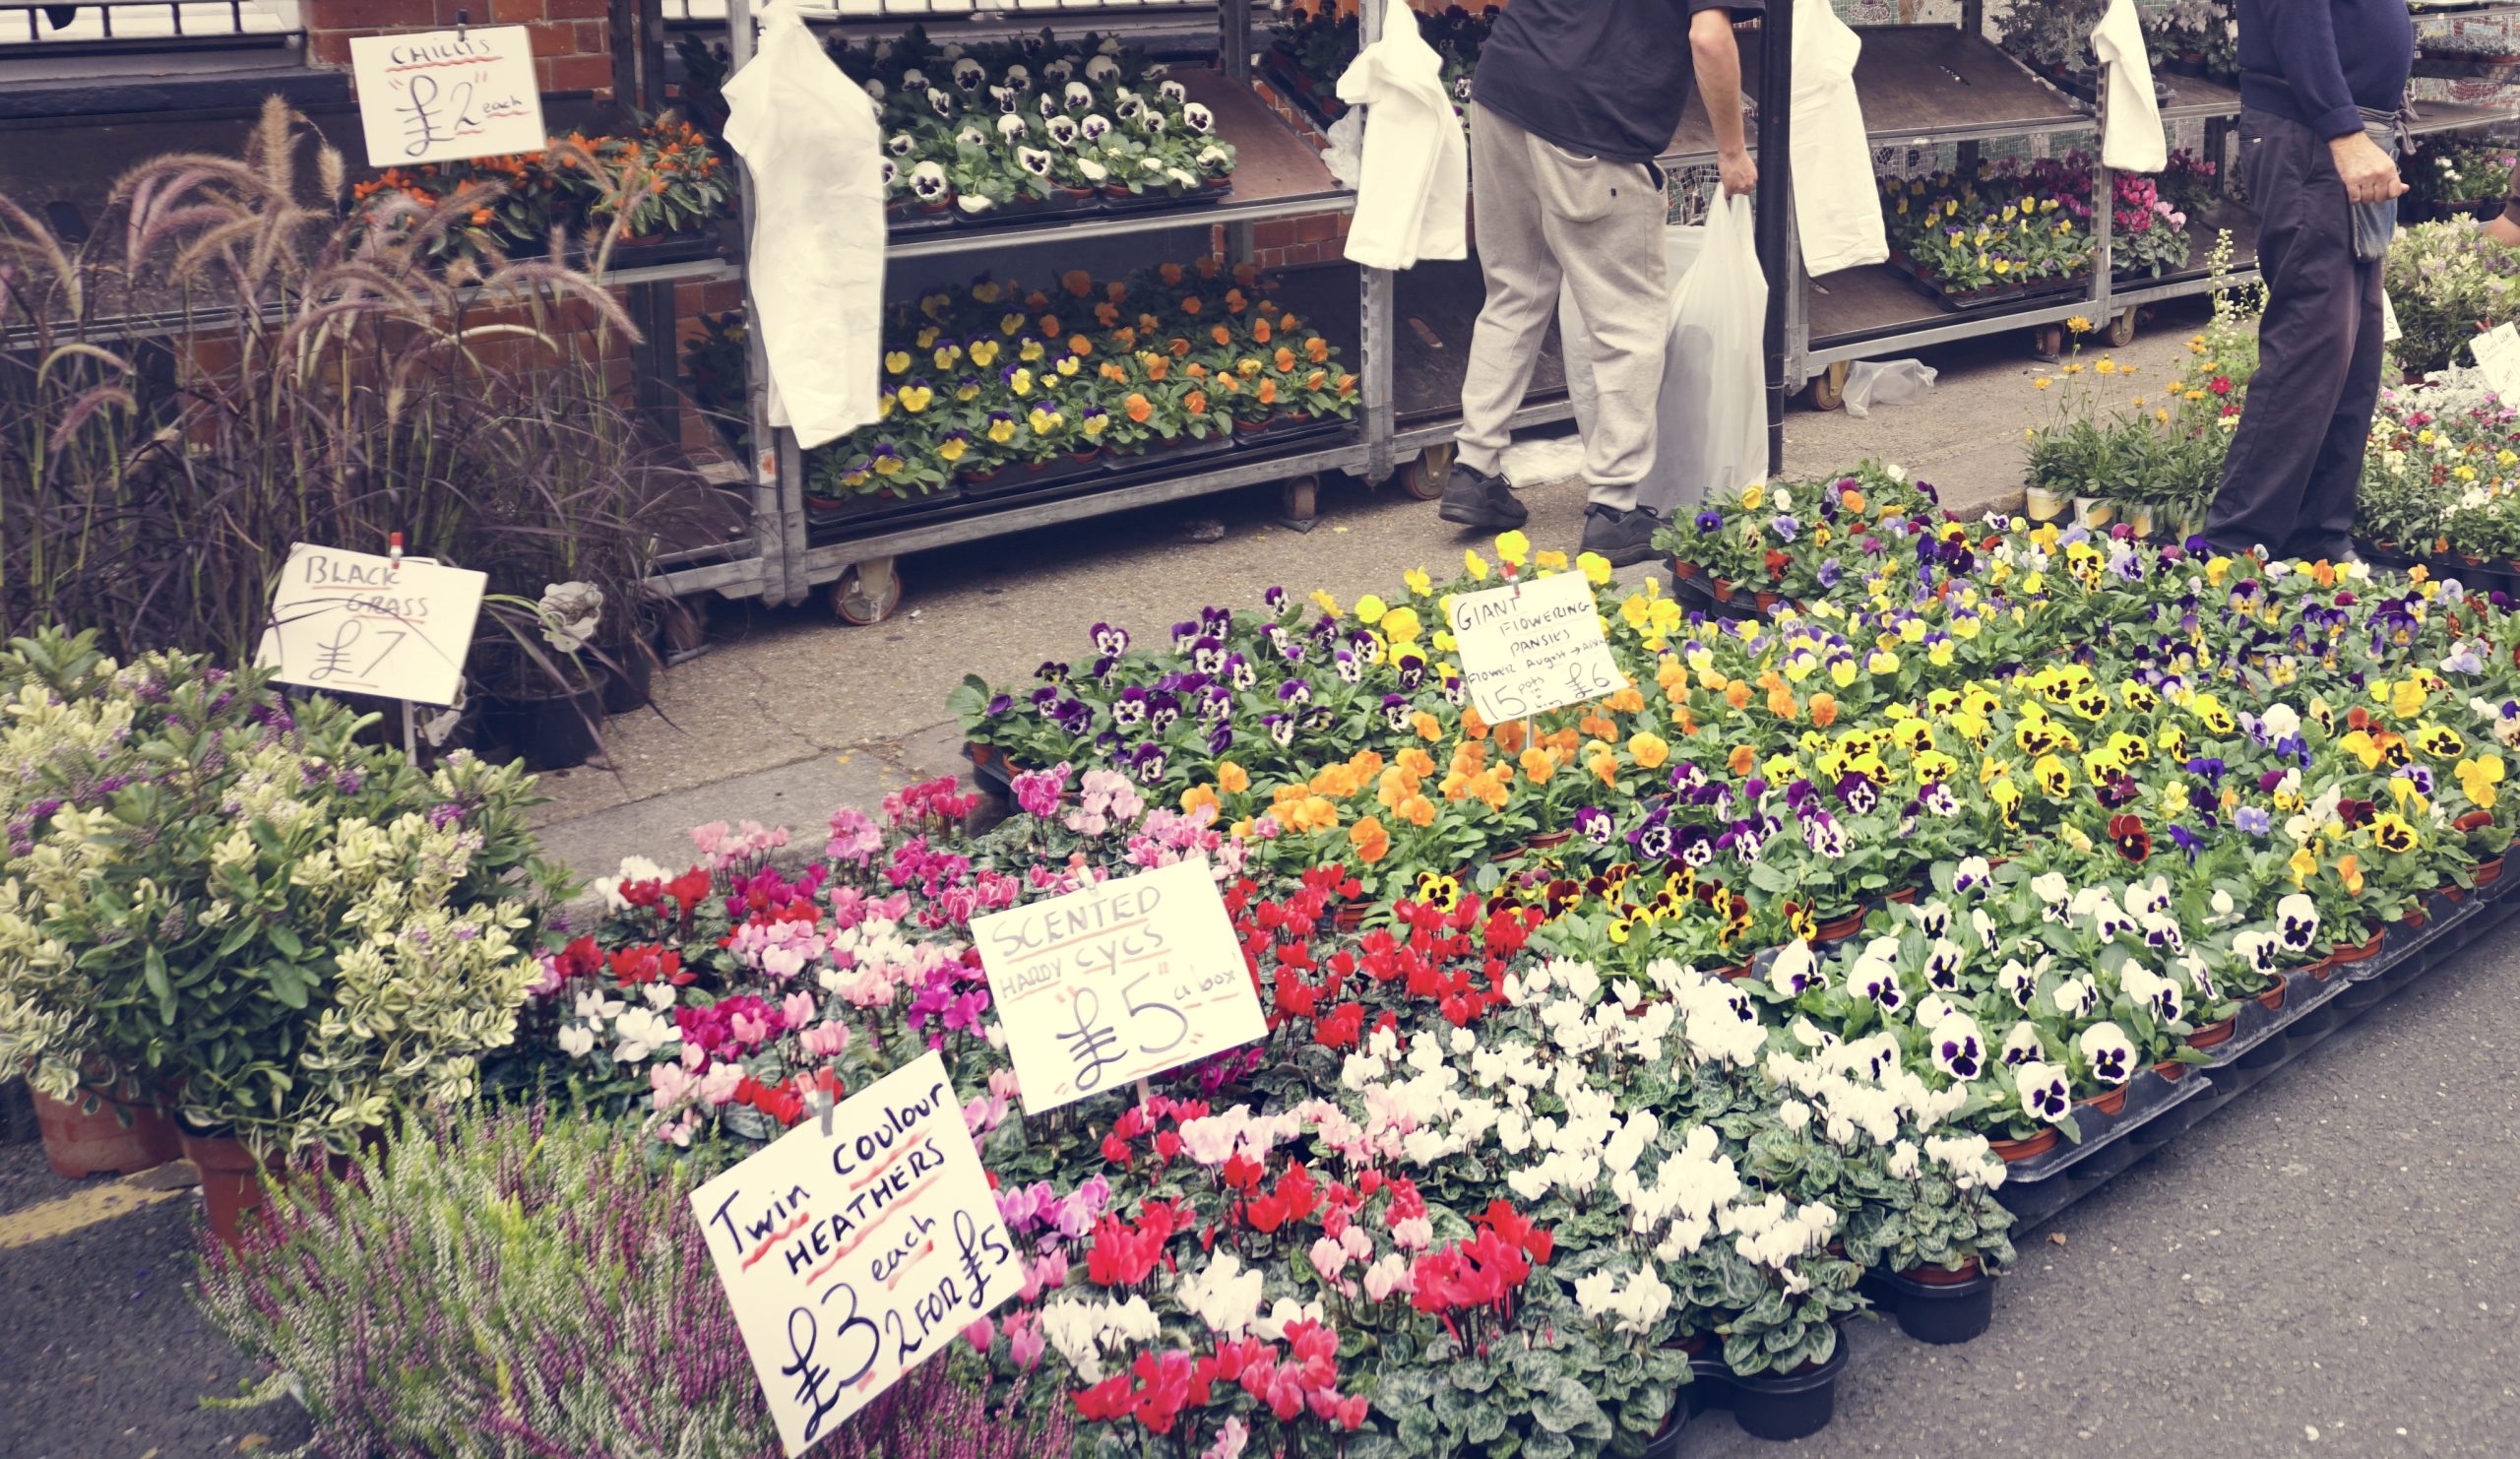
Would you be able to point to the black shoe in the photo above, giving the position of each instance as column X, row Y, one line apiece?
column 1624, row 538
column 1477, row 499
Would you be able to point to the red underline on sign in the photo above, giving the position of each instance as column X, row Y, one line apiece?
column 777, row 1236
column 1089, row 937
column 924, row 1253
column 880, row 1166
column 426, row 65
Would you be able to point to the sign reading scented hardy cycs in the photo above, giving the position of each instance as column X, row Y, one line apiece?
column 357, row 623
column 1131, row 978
column 1528, row 647
column 852, row 1256
column 442, row 96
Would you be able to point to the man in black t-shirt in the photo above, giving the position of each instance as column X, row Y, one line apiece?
column 1573, row 102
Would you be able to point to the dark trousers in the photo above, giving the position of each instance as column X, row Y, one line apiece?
column 2295, row 461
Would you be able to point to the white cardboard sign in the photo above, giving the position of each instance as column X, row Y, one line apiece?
column 1528, row 647
column 1139, row 974
column 2498, row 352
column 442, row 96
column 356, row 622
column 851, row 1257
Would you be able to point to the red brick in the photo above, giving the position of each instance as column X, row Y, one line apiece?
column 371, row 15
column 1313, row 227
column 577, row 9
column 330, row 48
column 508, row 12
column 578, row 74
column 552, row 37
column 1276, row 233
column 594, row 38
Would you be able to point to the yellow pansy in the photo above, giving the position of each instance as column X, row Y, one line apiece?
column 1513, row 548
column 1371, row 608
column 896, row 362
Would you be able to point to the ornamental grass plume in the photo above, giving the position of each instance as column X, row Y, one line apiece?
column 523, row 1283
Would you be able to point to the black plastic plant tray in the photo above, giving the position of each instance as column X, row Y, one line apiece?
column 2036, row 1190
column 2147, row 1094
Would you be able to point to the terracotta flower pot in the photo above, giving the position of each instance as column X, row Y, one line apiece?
column 1549, row 840
column 1683, row 570
column 2170, row 1070
column 1723, row 591
column 1348, row 916
column 1838, row 929
column 2219, row 1031
column 2487, row 873
column 1942, row 1276
column 1903, row 897
column 2413, row 920
column 2339, row 957
column 2112, row 1103
column 78, row 1144
column 2271, row 1000
column 2012, row 1151
column 231, row 1185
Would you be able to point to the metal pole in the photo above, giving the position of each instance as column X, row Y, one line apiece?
column 1374, row 339
column 768, row 484
column 1774, row 201
column 1234, row 39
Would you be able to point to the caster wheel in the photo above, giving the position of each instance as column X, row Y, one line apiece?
column 1300, row 500
column 1425, row 477
column 1829, row 388
column 2121, row 329
column 2047, row 342
column 685, row 629
column 854, row 606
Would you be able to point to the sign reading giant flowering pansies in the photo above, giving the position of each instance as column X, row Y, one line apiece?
column 855, row 1251
column 1126, row 979
column 1528, row 647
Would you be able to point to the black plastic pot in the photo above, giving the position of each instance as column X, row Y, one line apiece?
column 1784, row 1406
column 629, row 680
column 1942, row 1312
column 554, row 732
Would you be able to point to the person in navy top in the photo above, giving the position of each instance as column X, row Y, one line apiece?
column 2322, row 82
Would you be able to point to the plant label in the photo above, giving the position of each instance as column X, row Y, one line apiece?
column 1139, row 974
column 2498, row 352
column 443, row 95
column 1528, row 647
column 2390, row 333
column 852, row 1256
column 357, row 623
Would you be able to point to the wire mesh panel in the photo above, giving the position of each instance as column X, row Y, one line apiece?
column 37, row 24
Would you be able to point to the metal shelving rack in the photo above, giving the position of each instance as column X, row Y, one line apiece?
column 781, row 563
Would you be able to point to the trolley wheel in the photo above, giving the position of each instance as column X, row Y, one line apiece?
column 1829, row 388
column 2048, row 343
column 1300, row 500
column 865, row 594
column 687, row 627
column 1425, row 476
column 2121, row 327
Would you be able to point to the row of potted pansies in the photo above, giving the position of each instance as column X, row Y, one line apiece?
column 2013, row 226
column 1313, row 46
column 664, row 179
column 990, row 131
column 1001, row 386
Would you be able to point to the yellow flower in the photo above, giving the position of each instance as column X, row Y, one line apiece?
column 896, row 362
column 1418, row 581
column 1474, row 564
column 1322, row 599
column 2079, row 325
column 985, row 353
column 915, row 397
column 1400, row 624
column 2479, row 777
column 2042, row 382
column 1021, row 382
column 2107, row 366
column 1595, row 568
column 1513, row 548
column 1752, row 495
column 1552, row 560
column 954, row 448
column 2302, row 864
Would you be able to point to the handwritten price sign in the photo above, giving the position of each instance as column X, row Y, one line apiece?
column 853, row 1257
column 441, row 96
column 1117, row 982
column 1534, row 647
column 358, row 624
column 2498, row 352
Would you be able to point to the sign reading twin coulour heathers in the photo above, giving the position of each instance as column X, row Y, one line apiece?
column 442, row 96
column 854, row 1251
column 1126, row 979
column 1530, row 646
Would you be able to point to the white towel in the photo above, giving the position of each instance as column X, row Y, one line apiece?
column 810, row 142
column 1412, row 201
column 2132, row 140
column 1836, row 207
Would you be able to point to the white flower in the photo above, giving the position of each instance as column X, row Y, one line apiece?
column 1795, row 1115
column 1902, row 1164
column 568, row 613
column 2044, row 1095
column 2297, row 922
column 1063, row 131
column 1226, row 1297
column 642, row 1032
column 927, row 180
column 577, row 1041
column 1959, row 1049
column 1031, row 160
column 1101, row 70
column 1012, row 126
column 2106, row 1049
column 1078, row 96
column 1197, row 118
column 1094, row 171
column 2022, row 1046
column 2076, row 996
column 1795, row 970
column 1173, row 92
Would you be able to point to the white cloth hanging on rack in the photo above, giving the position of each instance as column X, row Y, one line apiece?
column 813, row 149
column 2131, row 141
column 1837, row 208
column 1413, row 199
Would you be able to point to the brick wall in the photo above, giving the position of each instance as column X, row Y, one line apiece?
column 572, row 39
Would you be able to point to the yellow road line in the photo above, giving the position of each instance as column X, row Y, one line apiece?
column 78, row 1211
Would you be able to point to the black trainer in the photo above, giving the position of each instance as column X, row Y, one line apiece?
column 1474, row 498
column 1624, row 538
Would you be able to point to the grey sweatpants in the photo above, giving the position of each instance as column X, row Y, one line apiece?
column 1546, row 218
column 2297, row 459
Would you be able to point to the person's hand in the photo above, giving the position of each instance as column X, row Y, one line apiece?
column 1740, row 175
column 2370, row 176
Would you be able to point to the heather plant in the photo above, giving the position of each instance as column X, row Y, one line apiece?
column 525, row 1281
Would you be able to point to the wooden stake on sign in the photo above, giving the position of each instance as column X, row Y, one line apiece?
column 411, row 732
column 1146, row 1095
